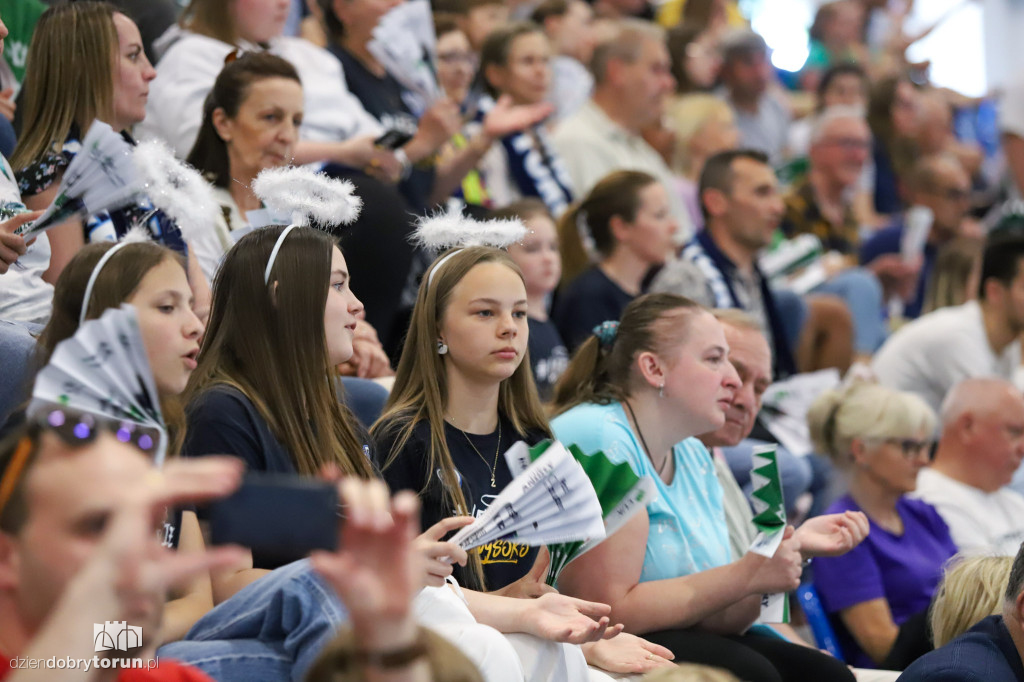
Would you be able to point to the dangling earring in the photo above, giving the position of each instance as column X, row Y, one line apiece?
column 661, row 390
column 442, row 348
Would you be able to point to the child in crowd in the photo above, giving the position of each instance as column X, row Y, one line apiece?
column 541, row 264
column 611, row 241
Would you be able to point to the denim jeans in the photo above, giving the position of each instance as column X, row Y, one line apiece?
column 271, row 631
column 862, row 293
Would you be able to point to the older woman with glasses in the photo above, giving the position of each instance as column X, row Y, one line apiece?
column 878, row 594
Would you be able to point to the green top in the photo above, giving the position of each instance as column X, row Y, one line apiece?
column 20, row 16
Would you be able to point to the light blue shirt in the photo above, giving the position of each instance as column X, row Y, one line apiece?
column 688, row 532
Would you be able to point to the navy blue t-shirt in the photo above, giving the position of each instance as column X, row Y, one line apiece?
column 589, row 300
column 548, row 356
column 886, row 241
column 503, row 562
column 223, row 421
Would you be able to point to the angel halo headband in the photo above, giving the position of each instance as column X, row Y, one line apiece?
column 452, row 230
column 309, row 197
column 133, row 236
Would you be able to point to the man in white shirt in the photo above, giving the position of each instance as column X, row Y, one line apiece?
column 981, row 447
column 632, row 82
column 979, row 338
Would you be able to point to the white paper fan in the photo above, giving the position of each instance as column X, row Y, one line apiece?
column 101, row 177
column 551, row 501
column 405, row 44
column 104, row 370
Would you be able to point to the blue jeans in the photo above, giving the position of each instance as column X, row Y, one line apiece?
column 270, row 631
column 862, row 293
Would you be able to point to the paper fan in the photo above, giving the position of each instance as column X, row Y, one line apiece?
column 620, row 492
column 101, row 177
column 550, row 501
column 404, row 43
column 103, row 370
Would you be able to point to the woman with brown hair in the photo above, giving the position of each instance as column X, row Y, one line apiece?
column 86, row 63
column 610, row 242
column 893, row 116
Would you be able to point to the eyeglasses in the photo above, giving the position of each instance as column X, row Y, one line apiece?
column 453, row 58
column 848, row 143
column 912, row 448
column 74, row 428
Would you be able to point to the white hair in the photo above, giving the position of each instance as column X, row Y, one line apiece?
column 838, row 112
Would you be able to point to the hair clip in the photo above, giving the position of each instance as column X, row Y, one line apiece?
column 606, row 332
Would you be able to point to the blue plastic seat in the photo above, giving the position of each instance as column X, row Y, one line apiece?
column 817, row 619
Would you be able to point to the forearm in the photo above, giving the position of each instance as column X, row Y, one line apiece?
column 504, row 614
column 309, row 151
column 227, row 585
column 452, row 170
column 181, row 614
column 716, row 599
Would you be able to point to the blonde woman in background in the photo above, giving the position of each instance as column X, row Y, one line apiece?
column 954, row 280
column 704, row 125
column 971, row 590
column 879, row 593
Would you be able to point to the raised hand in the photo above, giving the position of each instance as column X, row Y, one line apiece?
column 626, row 653
column 506, row 118
column 378, row 571
column 832, row 534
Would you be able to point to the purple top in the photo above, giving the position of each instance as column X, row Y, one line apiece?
column 902, row 569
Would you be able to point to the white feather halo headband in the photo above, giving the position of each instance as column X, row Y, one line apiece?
column 452, row 230
column 308, row 197
column 176, row 188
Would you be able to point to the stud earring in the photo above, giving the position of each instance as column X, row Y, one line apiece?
column 442, row 348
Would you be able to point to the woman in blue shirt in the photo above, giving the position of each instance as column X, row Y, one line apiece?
column 640, row 391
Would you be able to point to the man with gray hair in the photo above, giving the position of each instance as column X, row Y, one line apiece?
column 991, row 651
column 821, row 205
column 632, row 82
column 981, row 446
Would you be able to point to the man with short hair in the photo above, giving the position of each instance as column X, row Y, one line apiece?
column 632, row 82
column 981, row 447
column 567, row 24
column 932, row 354
column 762, row 116
column 742, row 206
column 991, row 650
column 938, row 183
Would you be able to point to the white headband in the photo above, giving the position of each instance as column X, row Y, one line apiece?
column 273, row 254
column 92, row 278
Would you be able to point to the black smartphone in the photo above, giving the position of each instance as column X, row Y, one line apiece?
column 392, row 139
column 277, row 515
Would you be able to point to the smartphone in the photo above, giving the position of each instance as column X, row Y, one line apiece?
column 392, row 139
column 278, row 516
